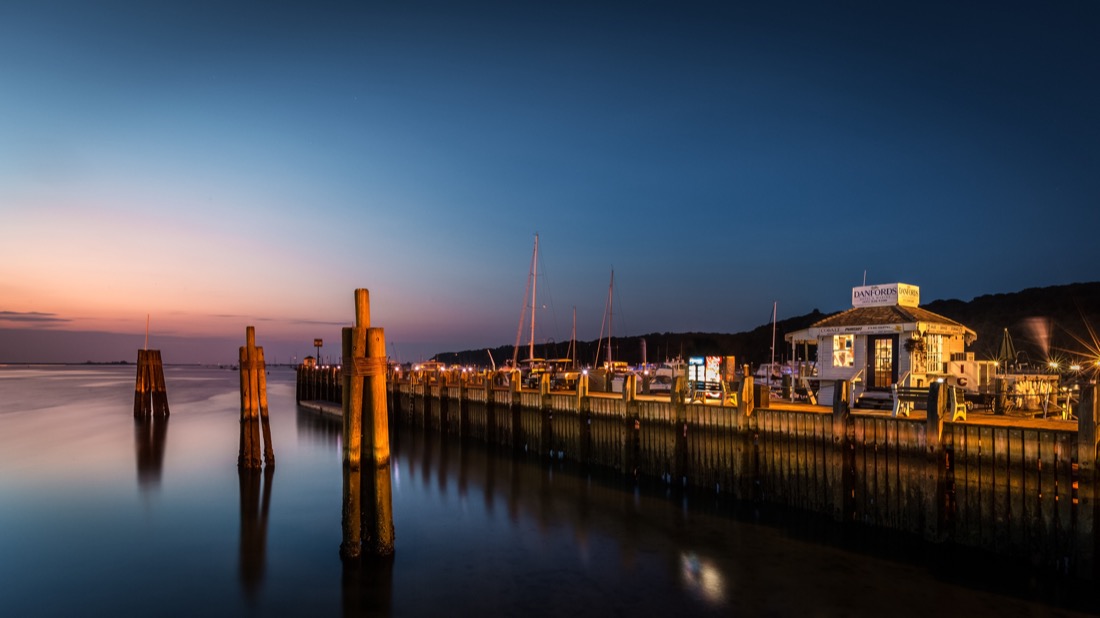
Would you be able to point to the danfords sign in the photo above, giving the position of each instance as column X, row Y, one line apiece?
column 886, row 295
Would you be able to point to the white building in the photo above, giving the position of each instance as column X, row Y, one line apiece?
column 885, row 339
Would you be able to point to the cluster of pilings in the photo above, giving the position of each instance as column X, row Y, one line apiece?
column 367, row 519
column 254, row 405
column 150, row 396
column 367, row 506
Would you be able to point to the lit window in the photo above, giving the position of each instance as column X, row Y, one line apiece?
column 933, row 353
column 842, row 351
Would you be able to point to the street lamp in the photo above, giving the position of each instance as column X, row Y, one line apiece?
column 317, row 343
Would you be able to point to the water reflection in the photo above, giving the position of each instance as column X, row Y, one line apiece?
column 254, row 514
column 367, row 546
column 319, row 428
column 150, row 436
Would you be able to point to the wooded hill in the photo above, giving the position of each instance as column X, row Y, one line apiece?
column 1058, row 322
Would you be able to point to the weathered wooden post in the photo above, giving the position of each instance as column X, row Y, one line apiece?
column 253, row 405
column 519, row 437
column 843, row 460
column 746, row 401
column 353, row 345
column 377, row 527
column 351, row 515
column 934, row 483
column 150, row 396
column 1087, row 414
column 374, row 398
column 679, row 424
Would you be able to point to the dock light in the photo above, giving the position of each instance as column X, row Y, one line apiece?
column 1053, row 365
column 1075, row 367
column 584, row 372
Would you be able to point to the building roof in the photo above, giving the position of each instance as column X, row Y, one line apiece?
column 892, row 314
column 865, row 319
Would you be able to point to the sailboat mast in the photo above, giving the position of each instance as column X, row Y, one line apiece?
column 772, row 367
column 610, row 315
column 534, row 284
column 523, row 308
column 573, row 339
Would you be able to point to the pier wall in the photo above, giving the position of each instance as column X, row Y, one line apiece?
column 1024, row 490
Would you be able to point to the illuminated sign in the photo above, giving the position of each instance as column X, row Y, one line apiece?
column 886, row 295
column 704, row 369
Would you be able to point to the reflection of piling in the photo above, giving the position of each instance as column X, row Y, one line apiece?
column 150, row 396
column 150, row 435
column 254, row 405
column 253, row 526
column 368, row 515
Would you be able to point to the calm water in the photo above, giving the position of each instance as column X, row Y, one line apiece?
column 100, row 515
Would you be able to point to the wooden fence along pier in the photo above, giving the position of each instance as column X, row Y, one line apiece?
column 150, row 395
column 1018, row 487
column 254, row 405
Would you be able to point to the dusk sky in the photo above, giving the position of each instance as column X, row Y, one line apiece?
column 215, row 165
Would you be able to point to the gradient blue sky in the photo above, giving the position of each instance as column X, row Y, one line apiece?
column 223, row 164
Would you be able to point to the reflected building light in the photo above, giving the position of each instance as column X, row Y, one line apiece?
column 700, row 575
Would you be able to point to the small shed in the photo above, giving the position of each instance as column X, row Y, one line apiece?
column 886, row 338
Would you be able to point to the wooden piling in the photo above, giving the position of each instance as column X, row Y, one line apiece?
column 843, row 464
column 375, row 400
column 150, row 395
column 1086, row 542
column 377, row 513
column 933, row 483
column 353, row 345
column 253, row 405
column 351, row 515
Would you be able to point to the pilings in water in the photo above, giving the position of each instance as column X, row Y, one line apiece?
column 150, row 396
column 254, row 405
column 367, row 515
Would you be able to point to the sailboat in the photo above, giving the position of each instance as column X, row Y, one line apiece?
column 532, row 367
column 610, row 376
column 564, row 373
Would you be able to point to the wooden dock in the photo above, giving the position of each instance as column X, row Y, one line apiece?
column 1015, row 486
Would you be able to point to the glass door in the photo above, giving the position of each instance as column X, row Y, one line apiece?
column 882, row 361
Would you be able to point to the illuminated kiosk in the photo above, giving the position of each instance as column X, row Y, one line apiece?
column 887, row 339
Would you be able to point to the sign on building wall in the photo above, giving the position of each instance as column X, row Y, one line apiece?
column 886, row 295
